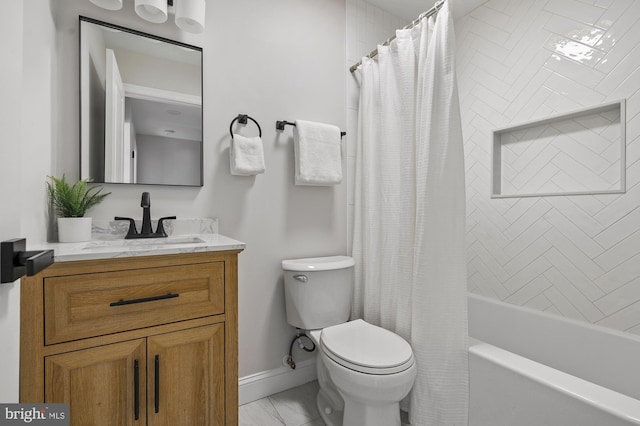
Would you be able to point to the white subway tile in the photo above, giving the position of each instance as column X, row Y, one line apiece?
column 563, row 305
column 504, row 6
column 620, row 252
column 583, row 241
column 619, row 230
column 528, row 82
column 619, row 207
column 508, row 76
column 536, row 211
column 624, row 319
column 613, row 13
column 534, row 250
column 574, row 50
column 529, row 291
column 488, row 282
column 580, row 218
column 573, row 274
column 620, row 298
column 620, row 275
column 575, row 296
column 529, row 273
column 584, row 75
column 575, row 91
column 540, row 302
column 577, row 31
column 604, row 3
column 576, row 10
column 589, row 204
column 574, row 254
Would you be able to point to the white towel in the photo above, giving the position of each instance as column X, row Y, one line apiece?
column 318, row 154
column 246, row 156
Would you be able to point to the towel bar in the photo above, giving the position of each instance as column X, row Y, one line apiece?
column 280, row 126
column 242, row 119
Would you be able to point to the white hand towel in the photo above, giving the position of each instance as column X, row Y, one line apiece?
column 246, row 156
column 318, row 154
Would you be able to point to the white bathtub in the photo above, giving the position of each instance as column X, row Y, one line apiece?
column 529, row 368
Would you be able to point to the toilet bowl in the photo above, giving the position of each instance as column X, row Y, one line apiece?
column 372, row 368
column 363, row 370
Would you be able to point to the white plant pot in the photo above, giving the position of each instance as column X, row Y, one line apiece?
column 74, row 229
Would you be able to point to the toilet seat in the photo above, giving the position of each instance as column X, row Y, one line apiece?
column 366, row 348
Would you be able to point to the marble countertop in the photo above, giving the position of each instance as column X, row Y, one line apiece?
column 108, row 242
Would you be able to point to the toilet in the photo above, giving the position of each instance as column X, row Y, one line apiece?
column 364, row 371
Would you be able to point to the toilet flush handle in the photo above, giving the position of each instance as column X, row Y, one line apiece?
column 301, row 278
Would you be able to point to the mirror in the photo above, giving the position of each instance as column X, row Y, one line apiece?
column 140, row 107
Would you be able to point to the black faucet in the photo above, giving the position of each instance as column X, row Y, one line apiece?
column 145, row 203
column 147, row 230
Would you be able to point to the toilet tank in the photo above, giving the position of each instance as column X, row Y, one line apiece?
column 318, row 291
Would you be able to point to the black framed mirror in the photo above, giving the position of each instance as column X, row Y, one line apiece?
column 140, row 107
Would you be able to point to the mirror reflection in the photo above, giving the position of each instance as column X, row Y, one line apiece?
column 140, row 107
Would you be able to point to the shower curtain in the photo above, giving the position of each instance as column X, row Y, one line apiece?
column 409, row 224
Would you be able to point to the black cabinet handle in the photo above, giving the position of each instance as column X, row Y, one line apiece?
column 136, row 389
column 157, row 384
column 123, row 302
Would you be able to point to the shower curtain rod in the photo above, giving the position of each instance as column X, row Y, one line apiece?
column 413, row 23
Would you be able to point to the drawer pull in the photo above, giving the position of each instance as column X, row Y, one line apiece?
column 136, row 389
column 157, row 384
column 122, row 302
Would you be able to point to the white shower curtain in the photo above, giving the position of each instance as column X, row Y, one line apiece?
column 409, row 225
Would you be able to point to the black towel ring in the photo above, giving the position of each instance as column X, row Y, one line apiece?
column 242, row 119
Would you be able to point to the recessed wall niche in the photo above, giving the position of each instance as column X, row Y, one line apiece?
column 582, row 152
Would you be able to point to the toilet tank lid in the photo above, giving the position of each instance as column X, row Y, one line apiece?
column 318, row 263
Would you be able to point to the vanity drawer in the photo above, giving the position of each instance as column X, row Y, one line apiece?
column 94, row 304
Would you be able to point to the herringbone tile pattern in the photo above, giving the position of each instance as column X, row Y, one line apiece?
column 520, row 60
column 580, row 154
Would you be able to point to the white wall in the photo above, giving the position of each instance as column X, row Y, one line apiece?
column 576, row 256
column 10, row 116
column 25, row 146
column 276, row 60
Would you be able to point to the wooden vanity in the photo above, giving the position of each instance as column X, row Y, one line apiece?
column 143, row 340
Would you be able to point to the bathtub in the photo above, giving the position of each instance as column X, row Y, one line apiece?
column 530, row 368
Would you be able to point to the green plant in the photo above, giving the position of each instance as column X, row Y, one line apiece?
column 73, row 200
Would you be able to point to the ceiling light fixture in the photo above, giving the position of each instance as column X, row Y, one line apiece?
column 190, row 15
column 108, row 4
column 152, row 10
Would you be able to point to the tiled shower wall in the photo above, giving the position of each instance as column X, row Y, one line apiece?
column 520, row 60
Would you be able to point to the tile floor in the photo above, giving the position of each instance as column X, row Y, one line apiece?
column 293, row 407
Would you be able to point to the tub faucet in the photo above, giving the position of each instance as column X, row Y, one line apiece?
column 147, row 230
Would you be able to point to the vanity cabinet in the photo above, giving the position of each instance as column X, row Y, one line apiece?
column 134, row 341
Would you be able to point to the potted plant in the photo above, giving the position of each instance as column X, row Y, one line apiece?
column 71, row 202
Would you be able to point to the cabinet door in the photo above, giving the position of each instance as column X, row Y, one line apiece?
column 103, row 385
column 186, row 377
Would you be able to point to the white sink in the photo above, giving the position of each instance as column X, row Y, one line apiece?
column 142, row 242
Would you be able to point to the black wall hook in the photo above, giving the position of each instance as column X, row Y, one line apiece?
column 242, row 119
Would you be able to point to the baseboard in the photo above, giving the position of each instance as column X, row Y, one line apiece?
column 259, row 385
